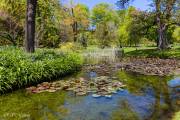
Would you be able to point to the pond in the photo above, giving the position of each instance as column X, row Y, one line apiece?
column 143, row 98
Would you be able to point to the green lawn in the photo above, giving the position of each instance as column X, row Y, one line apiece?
column 152, row 52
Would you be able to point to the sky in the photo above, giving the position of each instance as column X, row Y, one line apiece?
column 140, row 4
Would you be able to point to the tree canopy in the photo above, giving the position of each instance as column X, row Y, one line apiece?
column 103, row 25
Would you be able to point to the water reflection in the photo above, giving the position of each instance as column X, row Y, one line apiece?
column 92, row 75
column 127, row 113
column 22, row 106
column 174, row 83
column 164, row 101
column 144, row 98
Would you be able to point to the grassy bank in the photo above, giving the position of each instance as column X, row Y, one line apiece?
column 153, row 52
column 144, row 51
column 19, row 69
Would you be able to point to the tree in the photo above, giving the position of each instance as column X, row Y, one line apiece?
column 12, row 21
column 163, row 13
column 77, row 17
column 105, row 20
column 74, row 22
column 48, row 23
column 30, row 25
column 132, row 26
column 128, row 27
column 48, row 18
column 142, row 27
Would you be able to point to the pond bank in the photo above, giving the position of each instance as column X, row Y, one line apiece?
column 150, row 66
column 144, row 66
column 139, row 100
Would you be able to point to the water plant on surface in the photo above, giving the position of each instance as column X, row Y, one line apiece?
column 18, row 69
column 101, row 86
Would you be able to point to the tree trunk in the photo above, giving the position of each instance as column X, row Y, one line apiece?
column 75, row 31
column 74, row 26
column 162, row 39
column 30, row 26
column 162, row 23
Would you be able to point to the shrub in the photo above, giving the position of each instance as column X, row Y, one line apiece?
column 18, row 69
column 70, row 46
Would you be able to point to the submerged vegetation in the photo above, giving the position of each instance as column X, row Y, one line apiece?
column 126, row 113
column 37, row 106
column 20, row 69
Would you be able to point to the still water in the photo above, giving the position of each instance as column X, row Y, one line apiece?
column 143, row 98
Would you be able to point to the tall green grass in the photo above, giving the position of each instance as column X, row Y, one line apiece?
column 19, row 69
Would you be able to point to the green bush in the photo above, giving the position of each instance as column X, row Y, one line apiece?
column 19, row 69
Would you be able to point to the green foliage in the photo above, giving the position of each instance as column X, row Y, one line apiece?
column 105, row 19
column 75, row 20
column 82, row 13
column 58, row 23
column 176, row 34
column 123, row 31
column 135, row 26
column 47, row 27
column 18, row 69
column 163, row 10
column 103, row 12
column 12, row 18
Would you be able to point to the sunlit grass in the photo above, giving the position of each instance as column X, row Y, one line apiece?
column 174, row 52
column 176, row 116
